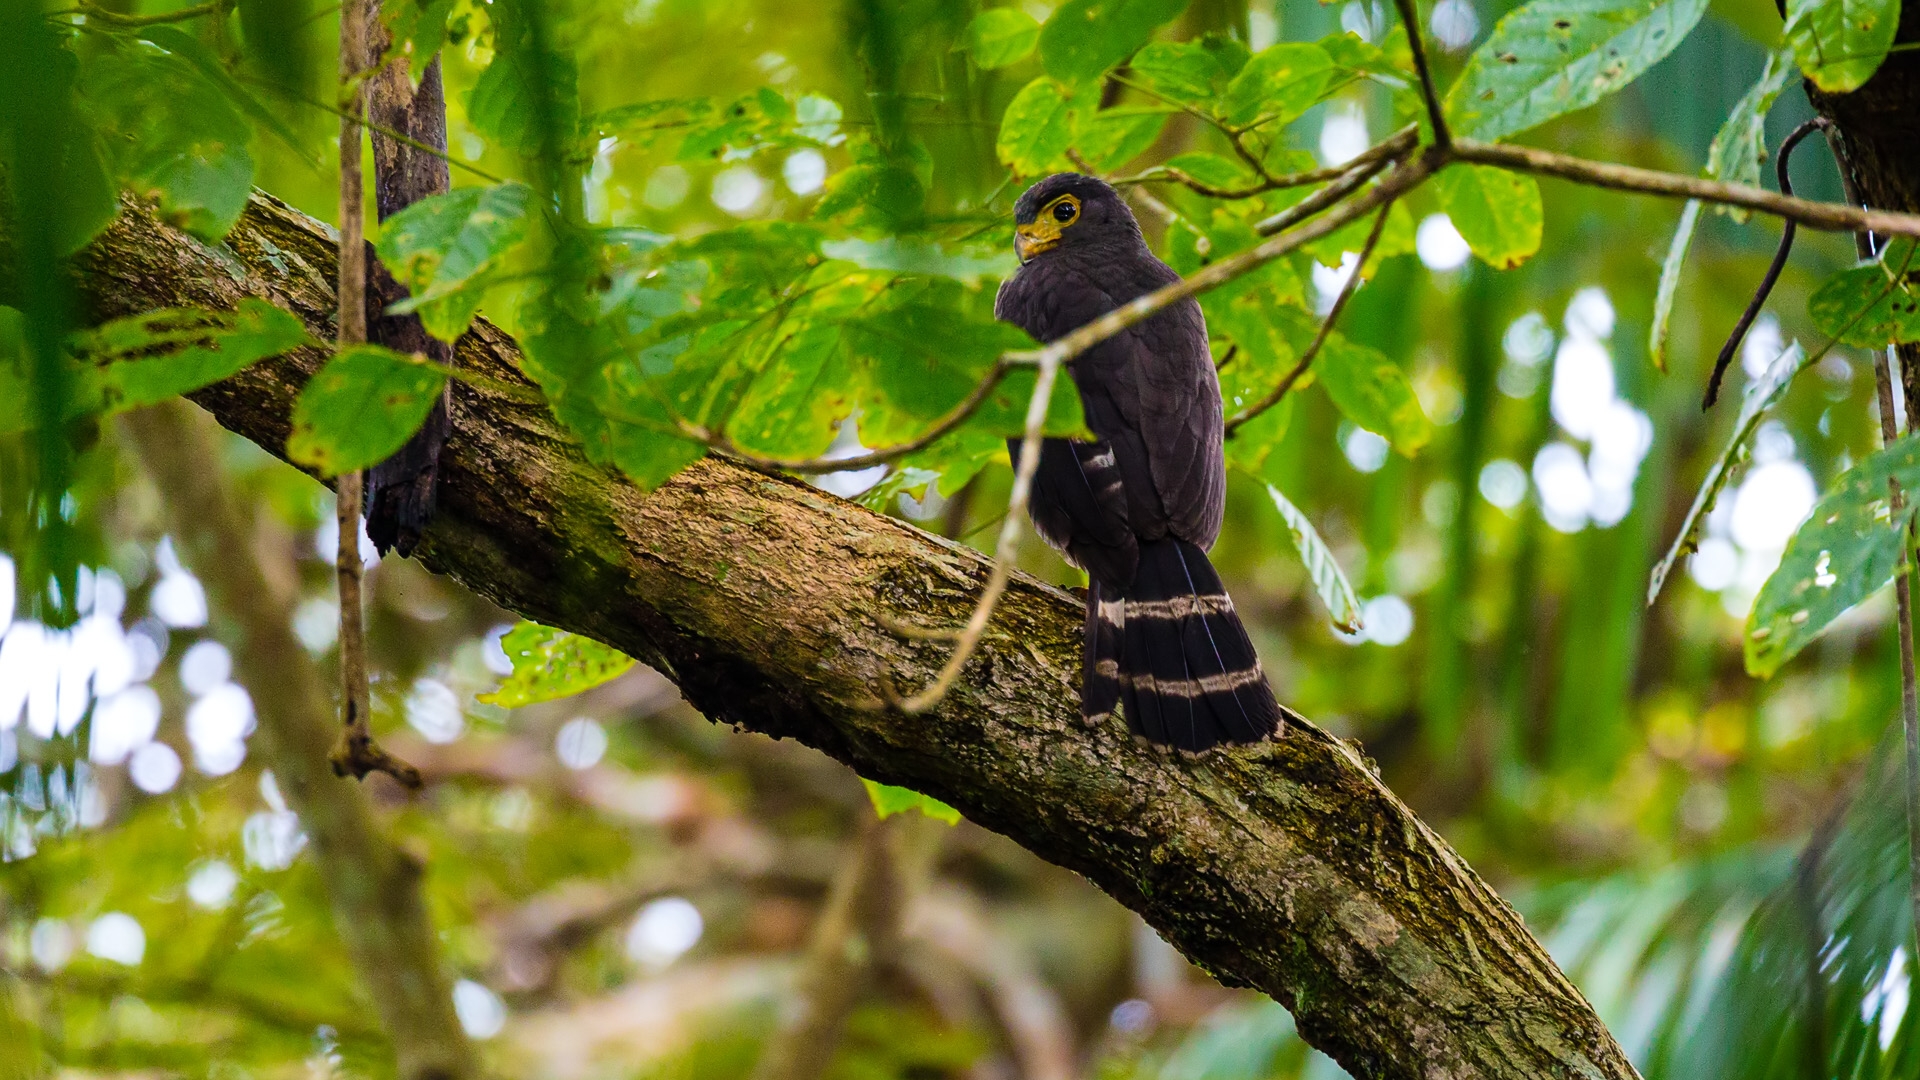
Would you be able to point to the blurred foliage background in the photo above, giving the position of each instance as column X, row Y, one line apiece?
column 625, row 890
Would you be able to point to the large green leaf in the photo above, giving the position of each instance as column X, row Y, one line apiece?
column 1373, row 392
column 360, row 408
column 161, row 354
column 549, row 664
column 1000, row 36
column 1083, row 38
column 1036, row 129
column 1551, row 57
column 207, row 63
column 1280, row 82
column 889, row 800
column 1762, row 395
column 445, row 249
column 509, row 98
column 1871, row 306
column 1181, row 71
column 1845, row 552
column 1839, row 44
column 1109, row 138
column 1497, row 212
column 1328, row 579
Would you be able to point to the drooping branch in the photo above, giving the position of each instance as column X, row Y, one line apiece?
column 1286, row 866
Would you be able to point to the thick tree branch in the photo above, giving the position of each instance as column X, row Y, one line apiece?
column 373, row 886
column 1286, row 866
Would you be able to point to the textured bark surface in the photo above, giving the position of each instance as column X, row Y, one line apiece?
column 1288, row 866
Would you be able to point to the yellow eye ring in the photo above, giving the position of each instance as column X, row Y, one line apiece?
column 1064, row 210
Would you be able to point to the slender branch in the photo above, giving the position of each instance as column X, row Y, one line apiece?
column 1436, row 114
column 1347, row 290
column 355, row 754
column 1828, row 217
column 377, row 128
column 1773, row 270
column 1395, row 145
column 1003, row 551
column 1327, row 196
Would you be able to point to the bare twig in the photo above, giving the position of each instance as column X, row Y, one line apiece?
column 355, row 754
column 1347, row 290
column 1436, row 113
column 1828, row 217
column 1773, row 270
column 1393, row 146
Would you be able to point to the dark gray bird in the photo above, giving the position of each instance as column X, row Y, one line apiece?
column 1139, row 507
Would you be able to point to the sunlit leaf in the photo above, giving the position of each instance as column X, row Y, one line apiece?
column 1083, row 38
column 1670, row 270
column 1280, row 82
column 1109, row 138
column 1871, row 306
column 889, row 800
column 154, row 356
column 907, row 256
column 1551, row 57
column 506, row 101
column 1213, row 170
column 1846, row 551
column 1000, row 36
column 1328, row 579
column 444, row 248
column 360, row 408
column 1182, row 71
column 1497, row 212
column 1839, row 44
column 549, row 664
column 1762, row 395
column 1036, row 129
column 1373, row 392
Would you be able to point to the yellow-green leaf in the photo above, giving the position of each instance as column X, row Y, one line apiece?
column 549, row 664
column 360, row 408
column 1497, row 212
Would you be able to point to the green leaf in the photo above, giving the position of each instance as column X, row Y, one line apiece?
column 549, row 664
column 1373, row 392
column 445, row 250
column 1181, row 71
column 1871, row 306
column 1670, row 283
column 915, row 256
column 1497, row 212
column 1328, row 579
column 1762, row 395
column 1280, row 81
column 889, row 800
column 195, row 52
column 360, row 408
column 1083, row 38
column 1740, row 146
column 416, row 29
column 1839, row 44
column 1845, row 552
column 178, row 351
column 1213, row 170
column 1551, row 57
column 1001, row 36
column 505, row 100
column 1109, row 138
column 1036, row 129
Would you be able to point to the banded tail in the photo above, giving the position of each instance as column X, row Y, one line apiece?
column 1172, row 649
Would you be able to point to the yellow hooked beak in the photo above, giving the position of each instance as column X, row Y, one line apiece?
column 1033, row 238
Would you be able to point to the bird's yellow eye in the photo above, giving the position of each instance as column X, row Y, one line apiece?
column 1066, row 209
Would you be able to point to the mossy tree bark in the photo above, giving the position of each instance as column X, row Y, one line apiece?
column 1288, row 866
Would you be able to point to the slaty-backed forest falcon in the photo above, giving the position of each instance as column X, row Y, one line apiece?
column 1139, row 506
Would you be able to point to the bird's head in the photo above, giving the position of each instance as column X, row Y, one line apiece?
column 1068, row 210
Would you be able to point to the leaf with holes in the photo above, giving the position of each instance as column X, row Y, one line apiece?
column 1000, row 36
column 1871, row 306
column 889, row 800
column 549, row 664
column 162, row 354
column 1497, row 212
column 1670, row 283
column 1083, row 38
column 1328, row 579
column 1552, row 57
column 447, row 248
column 1762, row 395
column 360, row 408
column 1036, row 129
column 1279, row 82
column 1845, row 552
column 1839, row 44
